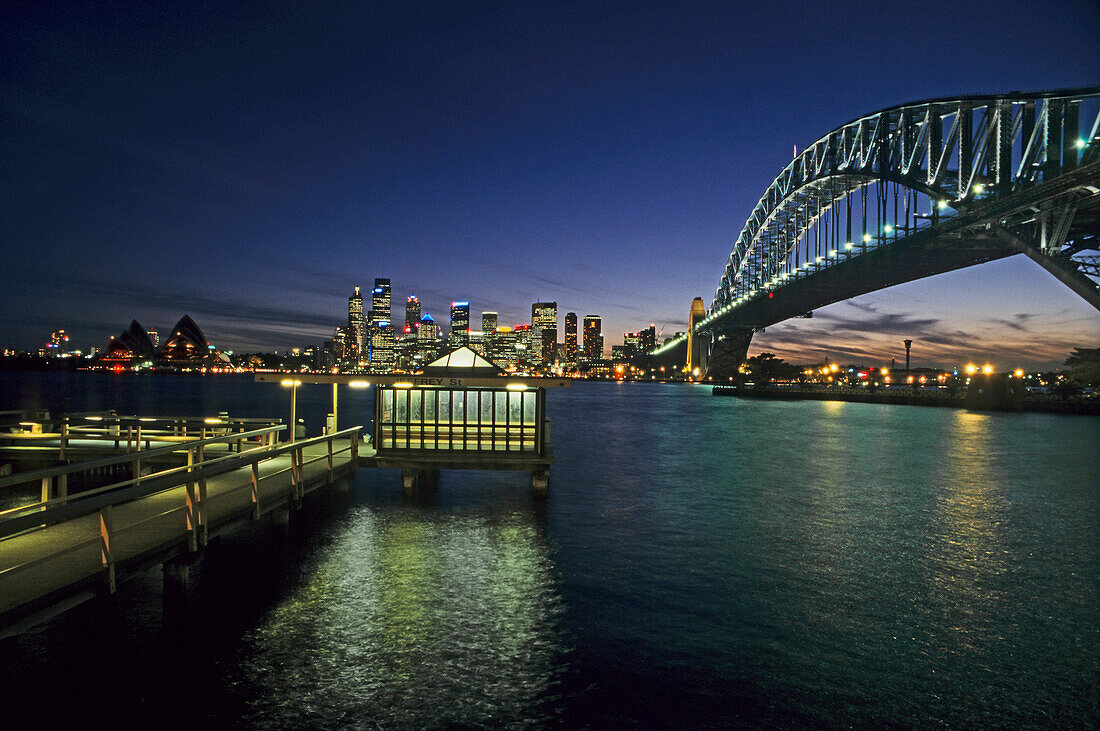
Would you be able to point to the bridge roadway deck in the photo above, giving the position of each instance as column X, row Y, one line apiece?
column 64, row 562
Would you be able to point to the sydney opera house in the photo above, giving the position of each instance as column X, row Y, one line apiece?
column 185, row 348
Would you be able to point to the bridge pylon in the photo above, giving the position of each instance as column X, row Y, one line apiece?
column 728, row 350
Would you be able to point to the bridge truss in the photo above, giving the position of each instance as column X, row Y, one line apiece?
column 922, row 188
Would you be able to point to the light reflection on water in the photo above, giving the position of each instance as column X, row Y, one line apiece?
column 413, row 619
column 700, row 561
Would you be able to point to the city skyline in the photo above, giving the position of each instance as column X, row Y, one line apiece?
column 160, row 162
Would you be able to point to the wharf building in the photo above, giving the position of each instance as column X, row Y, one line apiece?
column 460, row 324
column 571, row 337
column 544, row 319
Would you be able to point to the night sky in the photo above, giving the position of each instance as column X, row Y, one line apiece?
column 249, row 164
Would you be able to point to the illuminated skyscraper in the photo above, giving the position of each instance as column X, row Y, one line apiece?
column 488, row 322
column 412, row 314
column 571, row 337
column 380, row 300
column 544, row 318
column 460, row 323
column 383, row 355
column 356, row 325
column 593, row 338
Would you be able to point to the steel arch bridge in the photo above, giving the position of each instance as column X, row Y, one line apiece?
column 909, row 192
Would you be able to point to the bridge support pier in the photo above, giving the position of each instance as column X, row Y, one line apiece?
column 727, row 352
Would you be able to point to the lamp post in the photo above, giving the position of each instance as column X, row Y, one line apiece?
column 293, row 403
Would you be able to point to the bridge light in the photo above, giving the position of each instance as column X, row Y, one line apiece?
column 941, row 205
column 888, row 228
column 848, row 246
column 771, row 294
column 1019, row 372
column 834, row 252
column 819, row 259
column 971, row 369
column 866, row 238
column 987, row 369
column 1080, row 143
column 979, row 188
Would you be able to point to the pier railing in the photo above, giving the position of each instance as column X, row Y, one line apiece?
column 125, row 432
column 192, row 509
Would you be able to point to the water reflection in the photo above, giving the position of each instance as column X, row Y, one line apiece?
column 964, row 557
column 413, row 617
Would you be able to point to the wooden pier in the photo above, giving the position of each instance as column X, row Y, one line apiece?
column 62, row 549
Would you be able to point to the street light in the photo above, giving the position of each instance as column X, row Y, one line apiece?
column 293, row 384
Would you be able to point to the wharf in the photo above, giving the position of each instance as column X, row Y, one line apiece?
column 915, row 397
column 64, row 550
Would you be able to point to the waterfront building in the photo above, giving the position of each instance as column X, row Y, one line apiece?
column 648, row 339
column 357, row 326
column 593, row 338
column 544, row 319
column 460, row 324
column 570, row 337
column 187, row 347
column 412, row 314
column 488, row 322
column 132, row 347
column 631, row 347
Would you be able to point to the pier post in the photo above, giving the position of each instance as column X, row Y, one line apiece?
column 281, row 518
column 540, row 482
column 408, row 480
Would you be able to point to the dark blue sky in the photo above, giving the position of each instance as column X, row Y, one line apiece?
column 250, row 164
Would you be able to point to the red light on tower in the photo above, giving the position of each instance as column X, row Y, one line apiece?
column 771, row 295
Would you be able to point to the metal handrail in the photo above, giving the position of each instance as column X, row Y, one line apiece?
column 48, row 472
column 74, row 508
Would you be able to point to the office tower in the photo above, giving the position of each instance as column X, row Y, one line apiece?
column 570, row 337
column 488, row 322
column 544, row 318
column 412, row 314
column 504, row 348
column 356, row 325
column 632, row 345
column 460, row 323
column 593, row 338
column 380, row 301
column 648, row 339
column 427, row 337
column 382, row 352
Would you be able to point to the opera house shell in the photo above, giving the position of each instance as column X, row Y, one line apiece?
column 185, row 348
column 132, row 347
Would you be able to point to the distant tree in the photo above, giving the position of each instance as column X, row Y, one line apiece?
column 1084, row 366
column 766, row 367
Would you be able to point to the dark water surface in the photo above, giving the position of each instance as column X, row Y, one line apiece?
column 700, row 561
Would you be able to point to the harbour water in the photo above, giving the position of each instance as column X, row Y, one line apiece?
column 700, row 561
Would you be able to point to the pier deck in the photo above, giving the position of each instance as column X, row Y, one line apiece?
column 60, row 552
